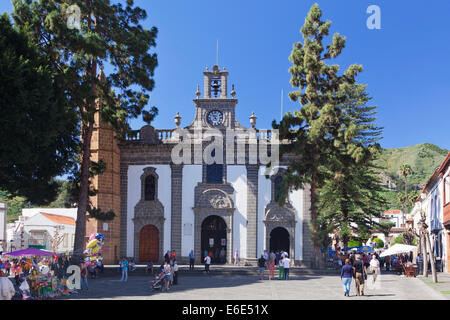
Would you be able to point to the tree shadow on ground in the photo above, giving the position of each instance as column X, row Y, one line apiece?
column 138, row 287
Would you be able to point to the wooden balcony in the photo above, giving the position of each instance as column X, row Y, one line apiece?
column 447, row 216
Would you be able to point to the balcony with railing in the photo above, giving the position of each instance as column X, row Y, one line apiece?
column 169, row 136
column 162, row 135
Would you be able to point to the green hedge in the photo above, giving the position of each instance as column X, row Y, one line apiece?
column 380, row 243
column 354, row 243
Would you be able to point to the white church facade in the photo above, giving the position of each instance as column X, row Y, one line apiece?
column 168, row 204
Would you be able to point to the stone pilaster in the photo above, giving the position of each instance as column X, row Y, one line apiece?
column 123, row 208
column 252, row 211
column 308, row 247
column 176, row 207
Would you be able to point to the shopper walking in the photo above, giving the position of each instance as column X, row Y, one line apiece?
column 359, row 274
column 281, row 269
column 207, row 263
column 124, row 267
column 261, row 267
column 7, row 290
column 374, row 268
column 167, row 275
column 277, row 257
column 84, row 276
column 346, row 277
column 191, row 260
column 236, row 257
column 271, row 267
column 419, row 261
column 287, row 264
column 175, row 272
column 222, row 255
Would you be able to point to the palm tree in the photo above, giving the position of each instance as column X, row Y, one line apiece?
column 405, row 170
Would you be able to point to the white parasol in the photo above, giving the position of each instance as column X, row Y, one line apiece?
column 397, row 249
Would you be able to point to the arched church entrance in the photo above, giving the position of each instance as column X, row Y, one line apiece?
column 214, row 239
column 279, row 240
column 149, row 244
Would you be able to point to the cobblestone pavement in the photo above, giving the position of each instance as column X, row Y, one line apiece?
column 240, row 287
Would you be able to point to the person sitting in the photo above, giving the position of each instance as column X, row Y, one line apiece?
column 132, row 266
column 91, row 270
column 149, row 268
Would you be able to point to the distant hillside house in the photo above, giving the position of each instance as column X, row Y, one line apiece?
column 41, row 229
column 396, row 217
column 387, row 182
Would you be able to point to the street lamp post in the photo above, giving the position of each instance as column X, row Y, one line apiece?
column 3, row 214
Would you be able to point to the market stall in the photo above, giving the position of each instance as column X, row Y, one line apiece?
column 408, row 270
column 37, row 280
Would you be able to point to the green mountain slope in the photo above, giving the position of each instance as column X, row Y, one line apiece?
column 423, row 159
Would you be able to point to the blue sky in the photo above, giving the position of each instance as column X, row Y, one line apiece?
column 406, row 63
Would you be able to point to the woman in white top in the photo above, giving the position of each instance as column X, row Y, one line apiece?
column 7, row 290
column 374, row 267
column 287, row 264
column 167, row 274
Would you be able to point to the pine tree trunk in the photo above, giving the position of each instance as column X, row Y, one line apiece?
column 80, row 231
column 83, row 202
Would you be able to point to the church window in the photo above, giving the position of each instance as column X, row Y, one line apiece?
column 277, row 185
column 214, row 172
column 150, row 188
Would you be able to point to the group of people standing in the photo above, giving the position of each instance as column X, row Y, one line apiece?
column 272, row 259
column 170, row 273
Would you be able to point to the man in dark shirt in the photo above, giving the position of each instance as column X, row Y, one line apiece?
column 261, row 266
column 359, row 271
column 352, row 258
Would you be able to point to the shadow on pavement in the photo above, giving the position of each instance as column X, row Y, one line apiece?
column 138, row 286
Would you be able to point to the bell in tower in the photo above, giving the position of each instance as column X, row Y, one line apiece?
column 215, row 83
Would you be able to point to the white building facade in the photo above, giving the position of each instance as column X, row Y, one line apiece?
column 42, row 228
column 435, row 202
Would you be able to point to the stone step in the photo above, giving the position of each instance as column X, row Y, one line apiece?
column 220, row 271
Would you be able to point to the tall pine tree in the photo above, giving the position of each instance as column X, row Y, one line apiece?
column 109, row 35
column 351, row 196
column 310, row 127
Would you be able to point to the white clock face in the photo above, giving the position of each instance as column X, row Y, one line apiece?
column 215, row 117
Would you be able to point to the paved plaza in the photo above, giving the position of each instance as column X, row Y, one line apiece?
column 248, row 287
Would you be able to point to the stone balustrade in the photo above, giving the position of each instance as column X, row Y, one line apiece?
column 166, row 135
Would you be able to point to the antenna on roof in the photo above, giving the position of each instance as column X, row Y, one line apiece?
column 217, row 53
column 281, row 117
